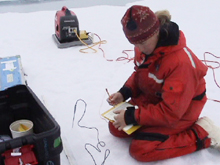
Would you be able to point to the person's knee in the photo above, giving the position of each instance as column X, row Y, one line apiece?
column 143, row 151
column 142, row 157
column 136, row 151
column 139, row 156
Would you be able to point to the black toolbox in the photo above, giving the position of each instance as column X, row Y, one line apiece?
column 20, row 102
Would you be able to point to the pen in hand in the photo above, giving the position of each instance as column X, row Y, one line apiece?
column 107, row 92
column 110, row 101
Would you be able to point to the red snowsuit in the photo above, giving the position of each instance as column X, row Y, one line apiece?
column 169, row 90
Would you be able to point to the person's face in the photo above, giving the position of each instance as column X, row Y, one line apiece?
column 148, row 46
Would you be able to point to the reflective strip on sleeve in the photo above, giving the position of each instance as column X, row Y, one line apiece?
column 190, row 57
column 151, row 75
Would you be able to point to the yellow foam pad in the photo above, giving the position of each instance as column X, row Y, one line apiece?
column 22, row 128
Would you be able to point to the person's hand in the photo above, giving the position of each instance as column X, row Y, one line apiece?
column 115, row 98
column 119, row 122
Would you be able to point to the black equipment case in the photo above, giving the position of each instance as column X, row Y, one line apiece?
column 20, row 102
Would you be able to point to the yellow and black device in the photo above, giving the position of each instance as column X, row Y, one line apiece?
column 83, row 35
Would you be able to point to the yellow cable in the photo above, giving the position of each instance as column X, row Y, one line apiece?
column 89, row 47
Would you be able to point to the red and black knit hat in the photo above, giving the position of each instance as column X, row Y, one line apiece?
column 139, row 23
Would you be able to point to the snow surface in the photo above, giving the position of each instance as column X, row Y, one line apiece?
column 63, row 76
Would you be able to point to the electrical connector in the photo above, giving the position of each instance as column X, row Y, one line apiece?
column 83, row 35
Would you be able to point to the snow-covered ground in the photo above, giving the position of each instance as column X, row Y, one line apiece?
column 63, row 76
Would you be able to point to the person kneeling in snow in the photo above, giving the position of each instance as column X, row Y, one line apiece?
column 168, row 86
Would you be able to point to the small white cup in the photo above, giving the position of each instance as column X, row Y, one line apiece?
column 15, row 126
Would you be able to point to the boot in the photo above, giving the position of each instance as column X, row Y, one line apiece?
column 213, row 131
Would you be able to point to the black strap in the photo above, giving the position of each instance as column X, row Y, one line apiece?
column 200, row 97
column 151, row 136
column 200, row 142
column 144, row 66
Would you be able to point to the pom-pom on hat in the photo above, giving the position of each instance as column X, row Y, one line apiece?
column 139, row 24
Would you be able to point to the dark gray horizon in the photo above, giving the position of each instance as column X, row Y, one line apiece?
column 22, row 6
